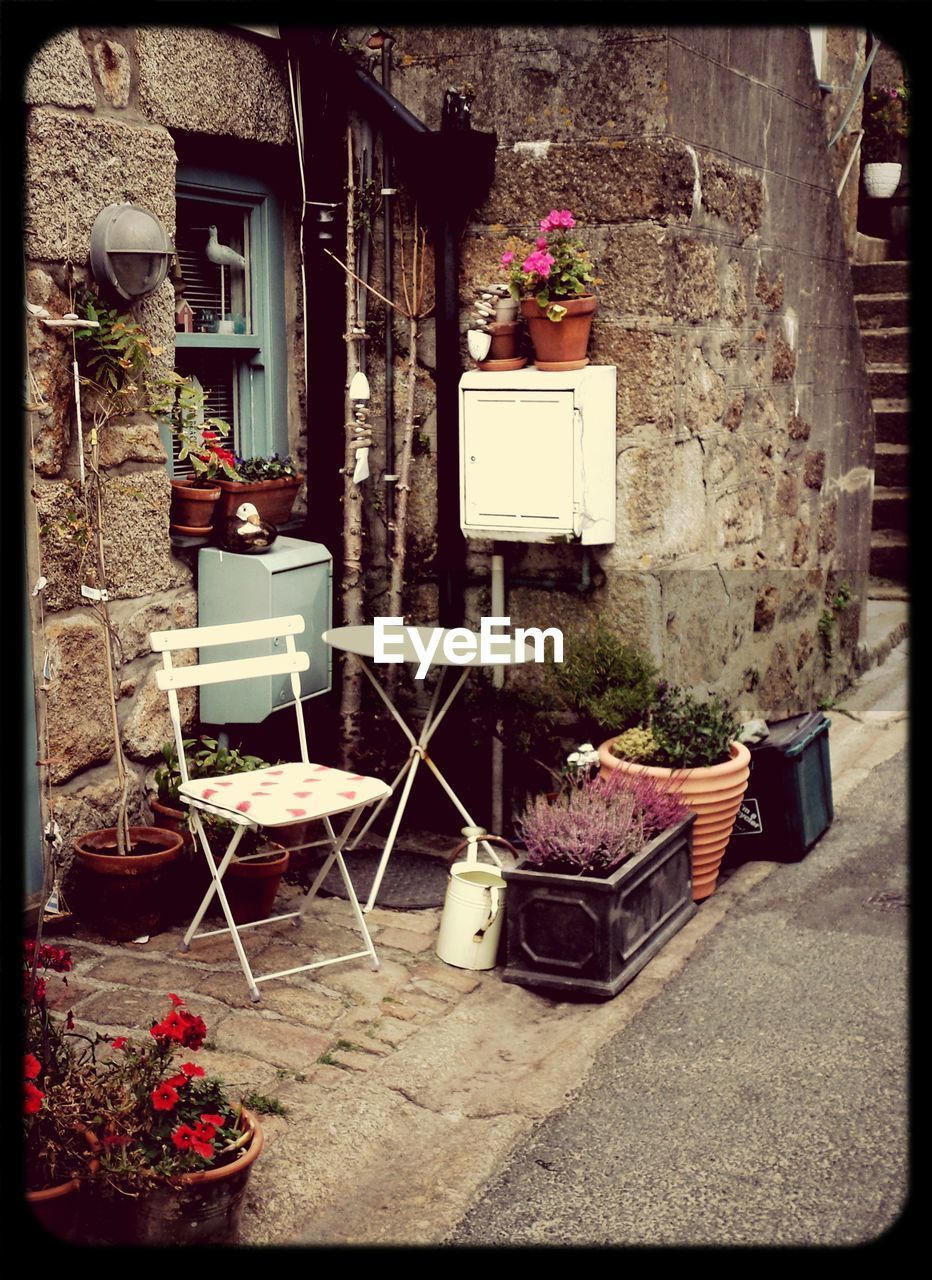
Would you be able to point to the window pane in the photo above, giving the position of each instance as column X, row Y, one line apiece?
column 214, row 291
column 216, row 373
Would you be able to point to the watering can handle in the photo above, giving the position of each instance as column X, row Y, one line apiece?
column 480, row 840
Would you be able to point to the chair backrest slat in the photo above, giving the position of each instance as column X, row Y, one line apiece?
column 226, row 633
column 202, row 673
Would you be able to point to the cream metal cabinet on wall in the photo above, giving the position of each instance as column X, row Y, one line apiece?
column 293, row 576
column 537, row 455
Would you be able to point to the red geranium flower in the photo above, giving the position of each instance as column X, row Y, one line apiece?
column 192, row 1069
column 31, row 1066
column 164, row 1097
column 176, row 1000
column 177, row 1082
column 183, row 1137
column 118, row 1042
column 218, row 1121
column 32, row 1098
column 201, row 1143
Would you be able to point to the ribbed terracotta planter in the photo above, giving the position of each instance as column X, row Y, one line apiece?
column 273, row 499
column 560, row 345
column 713, row 793
column 192, row 510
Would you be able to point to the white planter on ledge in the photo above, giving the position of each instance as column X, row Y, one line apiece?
column 881, row 179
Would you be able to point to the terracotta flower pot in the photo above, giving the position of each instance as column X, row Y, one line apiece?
column 169, row 818
column 273, row 499
column 204, row 1208
column 560, row 344
column 192, row 508
column 250, row 887
column 55, row 1209
column 713, row 793
column 125, row 896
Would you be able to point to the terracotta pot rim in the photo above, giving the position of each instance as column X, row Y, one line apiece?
column 740, row 759
column 116, row 864
column 274, row 863
column 257, row 1142
column 197, row 493
column 240, row 486
column 54, row 1192
column 582, row 305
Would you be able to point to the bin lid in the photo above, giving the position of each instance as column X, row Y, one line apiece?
column 788, row 736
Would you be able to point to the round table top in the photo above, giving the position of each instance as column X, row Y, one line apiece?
column 361, row 640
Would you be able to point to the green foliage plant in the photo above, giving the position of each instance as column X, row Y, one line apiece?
column 690, row 732
column 637, row 745
column 253, row 470
column 607, row 681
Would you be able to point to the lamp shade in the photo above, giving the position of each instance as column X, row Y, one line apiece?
column 130, row 250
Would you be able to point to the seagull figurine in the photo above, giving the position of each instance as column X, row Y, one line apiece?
column 246, row 532
column 222, row 254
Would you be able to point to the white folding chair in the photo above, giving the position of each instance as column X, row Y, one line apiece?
column 272, row 797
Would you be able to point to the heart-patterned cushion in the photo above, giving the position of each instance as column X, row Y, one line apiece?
column 284, row 793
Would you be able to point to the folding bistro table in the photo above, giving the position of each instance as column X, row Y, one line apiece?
column 360, row 642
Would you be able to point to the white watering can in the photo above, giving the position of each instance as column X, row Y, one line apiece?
column 473, row 909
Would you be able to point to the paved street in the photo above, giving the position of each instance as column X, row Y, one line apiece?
column 761, row 1098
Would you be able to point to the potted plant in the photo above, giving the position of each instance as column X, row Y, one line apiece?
column 250, row 885
column 271, row 484
column 180, row 403
column 690, row 744
column 645, row 726
column 52, row 1089
column 554, row 283
column 886, row 123
column 604, row 884
column 157, row 1150
column 122, row 873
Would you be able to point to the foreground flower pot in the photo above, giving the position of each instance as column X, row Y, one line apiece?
column 273, row 499
column 192, row 510
column 125, row 896
column 713, row 793
column 55, row 1209
column 882, row 179
column 205, row 1207
column 590, row 936
column 560, row 344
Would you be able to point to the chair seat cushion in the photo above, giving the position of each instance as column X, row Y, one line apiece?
column 284, row 793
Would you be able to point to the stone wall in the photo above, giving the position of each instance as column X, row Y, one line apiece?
column 104, row 108
column 696, row 164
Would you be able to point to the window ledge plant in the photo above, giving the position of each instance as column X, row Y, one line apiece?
column 270, row 483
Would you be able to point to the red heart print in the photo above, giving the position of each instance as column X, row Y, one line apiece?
column 297, row 813
column 244, row 806
column 350, row 795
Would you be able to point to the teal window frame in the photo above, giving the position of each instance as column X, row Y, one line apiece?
column 258, row 358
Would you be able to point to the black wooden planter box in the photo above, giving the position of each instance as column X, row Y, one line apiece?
column 585, row 936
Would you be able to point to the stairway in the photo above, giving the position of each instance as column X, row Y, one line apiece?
column 882, row 300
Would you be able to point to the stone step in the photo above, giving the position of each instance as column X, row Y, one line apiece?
column 886, row 346
column 891, row 466
column 886, row 589
column 888, row 381
column 889, row 555
column 882, row 310
column 891, row 421
column 880, row 277
column 890, row 509
column 886, row 622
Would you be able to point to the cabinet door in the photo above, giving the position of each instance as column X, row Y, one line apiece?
column 518, row 468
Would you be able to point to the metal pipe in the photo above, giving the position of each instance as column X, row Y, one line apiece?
column 498, row 682
column 385, row 41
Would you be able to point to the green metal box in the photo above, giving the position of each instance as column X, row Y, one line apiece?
column 291, row 577
column 788, row 803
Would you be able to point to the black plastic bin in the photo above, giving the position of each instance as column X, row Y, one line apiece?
column 788, row 803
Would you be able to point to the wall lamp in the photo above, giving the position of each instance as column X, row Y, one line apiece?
column 130, row 250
